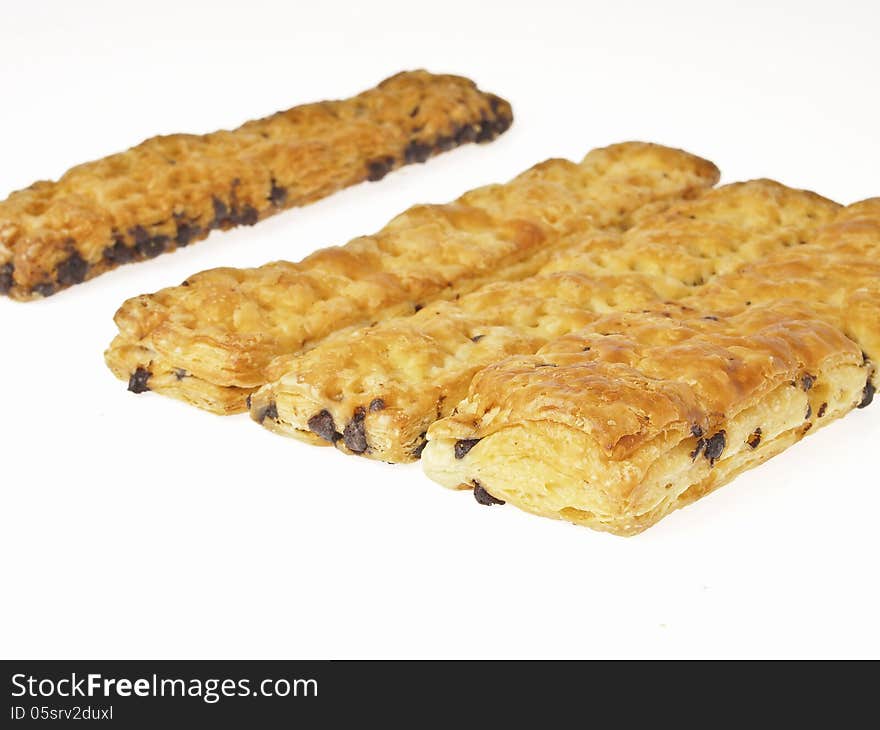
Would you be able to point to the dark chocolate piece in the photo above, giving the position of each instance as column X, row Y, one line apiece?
column 755, row 438
column 822, row 409
column 714, row 446
column 180, row 374
column 118, row 253
column 137, row 382
column 477, row 338
column 44, row 289
column 323, row 425
column 867, row 394
column 697, row 430
column 278, row 194
column 807, row 381
column 221, row 213
column 377, row 169
column 377, row 404
column 483, row 497
column 354, row 435
column 186, row 233
column 463, row 446
column 6, row 280
column 416, row 151
column 698, row 449
column 809, row 411
column 270, row 411
column 247, row 216
column 465, row 133
column 72, row 270
column 417, row 451
column 147, row 246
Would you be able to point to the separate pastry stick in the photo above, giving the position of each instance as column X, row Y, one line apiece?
column 173, row 190
column 210, row 340
column 643, row 413
column 375, row 391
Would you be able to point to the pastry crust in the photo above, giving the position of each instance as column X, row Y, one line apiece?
column 375, row 391
column 211, row 340
column 643, row 413
column 170, row 191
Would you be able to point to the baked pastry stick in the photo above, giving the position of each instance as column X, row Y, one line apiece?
column 210, row 340
column 170, row 191
column 643, row 413
column 615, row 427
column 375, row 391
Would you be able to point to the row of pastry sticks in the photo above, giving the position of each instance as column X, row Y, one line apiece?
column 602, row 342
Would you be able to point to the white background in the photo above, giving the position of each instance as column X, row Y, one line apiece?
column 135, row 527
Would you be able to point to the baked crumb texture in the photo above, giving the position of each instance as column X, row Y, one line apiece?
column 224, row 333
column 173, row 190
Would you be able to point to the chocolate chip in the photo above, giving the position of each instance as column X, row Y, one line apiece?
column 414, row 111
column 546, row 365
column 483, row 497
column 809, row 411
column 486, row 132
column 697, row 430
column 463, row 446
column 443, row 143
column 149, row 247
column 6, row 280
column 44, row 289
column 247, row 216
column 137, row 382
column 247, row 401
column 323, row 425
column 711, row 317
column 139, row 234
column 72, row 270
column 416, row 152
column 807, row 381
column 180, row 374
column 354, row 435
column 377, row 169
column 278, row 194
column 822, row 409
column 464, row 134
column 377, row 404
column 755, row 438
column 867, row 395
column 714, row 446
column 417, row 451
column 477, row 338
column 270, row 411
column 418, row 307
column 698, row 449
column 221, row 213
column 118, row 253
column 186, row 233
column 807, row 427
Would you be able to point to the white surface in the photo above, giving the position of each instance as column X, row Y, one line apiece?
column 140, row 527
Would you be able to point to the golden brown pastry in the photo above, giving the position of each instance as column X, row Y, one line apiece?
column 211, row 340
column 170, row 191
column 644, row 412
column 376, row 390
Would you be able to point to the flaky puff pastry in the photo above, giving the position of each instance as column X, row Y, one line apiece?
column 642, row 413
column 376, row 390
column 171, row 191
column 210, row 341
